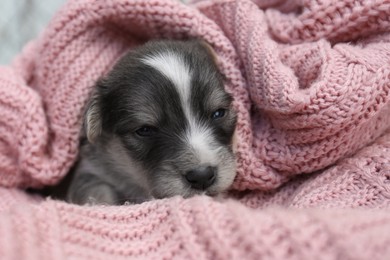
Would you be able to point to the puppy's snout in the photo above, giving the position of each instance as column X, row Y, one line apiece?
column 201, row 177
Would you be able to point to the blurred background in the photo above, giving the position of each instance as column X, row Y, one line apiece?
column 21, row 21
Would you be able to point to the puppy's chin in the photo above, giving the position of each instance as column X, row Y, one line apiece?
column 174, row 184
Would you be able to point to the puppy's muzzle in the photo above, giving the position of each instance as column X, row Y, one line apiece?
column 201, row 177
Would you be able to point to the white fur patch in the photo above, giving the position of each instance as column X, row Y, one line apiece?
column 200, row 139
column 172, row 66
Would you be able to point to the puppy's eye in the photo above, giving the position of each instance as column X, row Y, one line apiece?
column 218, row 113
column 146, row 131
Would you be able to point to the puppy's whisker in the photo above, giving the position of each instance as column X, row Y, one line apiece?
column 187, row 193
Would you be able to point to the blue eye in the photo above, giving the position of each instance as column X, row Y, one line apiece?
column 146, row 131
column 218, row 113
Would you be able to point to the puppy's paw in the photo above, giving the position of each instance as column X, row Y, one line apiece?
column 89, row 189
column 101, row 194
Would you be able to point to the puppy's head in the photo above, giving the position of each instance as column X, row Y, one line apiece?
column 166, row 105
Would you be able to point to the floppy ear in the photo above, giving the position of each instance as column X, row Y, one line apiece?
column 210, row 50
column 93, row 119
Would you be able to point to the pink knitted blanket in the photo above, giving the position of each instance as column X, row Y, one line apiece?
column 311, row 83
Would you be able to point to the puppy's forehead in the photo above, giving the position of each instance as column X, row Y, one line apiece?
column 193, row 75
column 173, row 66
column 187, row 82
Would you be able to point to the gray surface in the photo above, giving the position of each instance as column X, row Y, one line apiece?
column 21, row 21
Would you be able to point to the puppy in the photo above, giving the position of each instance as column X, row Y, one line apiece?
column 159, row 124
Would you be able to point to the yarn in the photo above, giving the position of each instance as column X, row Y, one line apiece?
column 310, row 81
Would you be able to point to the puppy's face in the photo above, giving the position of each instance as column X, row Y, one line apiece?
column 166, row 104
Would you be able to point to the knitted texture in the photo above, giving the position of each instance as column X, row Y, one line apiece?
column 310, row 81
column 197, row 228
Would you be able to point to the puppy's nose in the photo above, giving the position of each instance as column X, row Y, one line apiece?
column 201, row 177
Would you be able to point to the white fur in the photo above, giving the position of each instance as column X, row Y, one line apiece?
column 201, row 139
column 172, row 66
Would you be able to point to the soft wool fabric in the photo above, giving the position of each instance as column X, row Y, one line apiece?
column 310, row 81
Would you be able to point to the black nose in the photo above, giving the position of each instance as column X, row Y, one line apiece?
column 201, row 177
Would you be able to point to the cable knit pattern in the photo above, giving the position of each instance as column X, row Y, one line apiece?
column 310, row 81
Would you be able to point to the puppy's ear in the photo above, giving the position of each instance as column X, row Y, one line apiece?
column 210, row 50
column 93, row 119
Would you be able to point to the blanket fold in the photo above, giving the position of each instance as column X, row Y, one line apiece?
column 315, row 101
column 197, row 228
column 311, row 86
